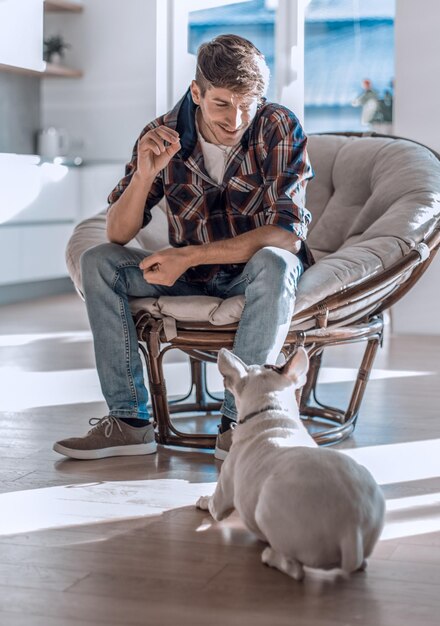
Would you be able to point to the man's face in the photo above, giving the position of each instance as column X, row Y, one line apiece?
column 226, row 115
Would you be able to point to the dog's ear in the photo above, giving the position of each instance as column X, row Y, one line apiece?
column 296, row 366
column 231, row 367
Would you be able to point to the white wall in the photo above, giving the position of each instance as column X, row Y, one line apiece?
column 116, row 44
column 289, row 55
column 416, row 116
column 417, row 88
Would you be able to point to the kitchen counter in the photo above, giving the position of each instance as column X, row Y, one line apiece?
column 68, row 161
column 41, row 201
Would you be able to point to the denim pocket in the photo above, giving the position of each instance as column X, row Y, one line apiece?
column 237, row 286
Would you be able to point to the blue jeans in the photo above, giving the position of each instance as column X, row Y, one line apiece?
column 110, row 276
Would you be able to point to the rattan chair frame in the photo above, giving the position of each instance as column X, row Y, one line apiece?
column 332, row 324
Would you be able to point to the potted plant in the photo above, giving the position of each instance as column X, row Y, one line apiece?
column 54, row 48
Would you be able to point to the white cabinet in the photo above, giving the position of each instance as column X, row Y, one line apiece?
column 10, row 255
column 21, row 34
column 36, row 191
column 33, row 252
column 39, row 205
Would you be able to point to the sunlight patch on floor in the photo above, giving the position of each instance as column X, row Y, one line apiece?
column 332, row 375
column 73, row 505
column 61, row 387
column 347, row 374
column 416, row 515
column 400, row 462
column 55, row 388
column 47, row 388
column 8, row 341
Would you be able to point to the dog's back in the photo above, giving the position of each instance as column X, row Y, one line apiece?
column 320, row 507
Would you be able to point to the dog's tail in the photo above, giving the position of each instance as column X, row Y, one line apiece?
column 352, row 551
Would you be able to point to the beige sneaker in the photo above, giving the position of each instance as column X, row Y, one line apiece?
column 109, row 437
column 222, row 444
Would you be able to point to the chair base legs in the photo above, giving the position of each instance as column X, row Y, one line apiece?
column 342, row 423
column 166, row 432
column 335, row 424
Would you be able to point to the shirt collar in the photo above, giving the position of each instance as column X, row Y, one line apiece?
column 185, row 112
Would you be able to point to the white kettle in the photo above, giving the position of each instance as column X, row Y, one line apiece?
column 52, row 142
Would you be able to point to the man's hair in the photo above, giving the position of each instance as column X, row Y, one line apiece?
column 234, row 63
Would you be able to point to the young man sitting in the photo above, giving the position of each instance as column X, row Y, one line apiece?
column 233, row 169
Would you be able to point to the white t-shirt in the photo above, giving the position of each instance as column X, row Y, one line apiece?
column 215, row 157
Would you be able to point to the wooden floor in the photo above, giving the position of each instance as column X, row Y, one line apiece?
column 119, row 542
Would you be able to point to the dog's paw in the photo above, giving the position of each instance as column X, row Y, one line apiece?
column 203, row 503
column 291, row 567
column 267, row 556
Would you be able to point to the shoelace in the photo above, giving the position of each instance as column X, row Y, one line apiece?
column 108, row 421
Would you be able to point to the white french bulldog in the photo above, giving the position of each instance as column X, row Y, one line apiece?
column 315, row 507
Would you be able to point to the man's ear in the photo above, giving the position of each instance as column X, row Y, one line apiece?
column 231, row 367
column 195, row 92
column 296, row 367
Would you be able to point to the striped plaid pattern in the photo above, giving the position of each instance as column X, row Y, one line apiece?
column 264, row 182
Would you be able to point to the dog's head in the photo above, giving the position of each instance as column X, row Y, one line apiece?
column 253, row 385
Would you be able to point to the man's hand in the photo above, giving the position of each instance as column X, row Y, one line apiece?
column 166, row 266
column 155, row 150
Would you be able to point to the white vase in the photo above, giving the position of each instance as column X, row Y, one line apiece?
column 56, row 58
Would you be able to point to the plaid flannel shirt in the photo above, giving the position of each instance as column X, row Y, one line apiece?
column 264, row 183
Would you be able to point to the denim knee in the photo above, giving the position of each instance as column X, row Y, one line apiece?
column 95, row 260
column 276, row 266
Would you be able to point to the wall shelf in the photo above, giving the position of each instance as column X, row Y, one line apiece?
column 62, row 5
column 52, row 71
column 19, row 70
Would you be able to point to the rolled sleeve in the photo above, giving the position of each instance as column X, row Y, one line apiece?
column 156, row 192
column 287, row 170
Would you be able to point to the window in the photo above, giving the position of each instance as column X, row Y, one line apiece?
column 349, row 60
column 254, row 20
column 348, row 56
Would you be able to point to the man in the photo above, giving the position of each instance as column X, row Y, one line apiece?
column 233, row 170
column 368, row 99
